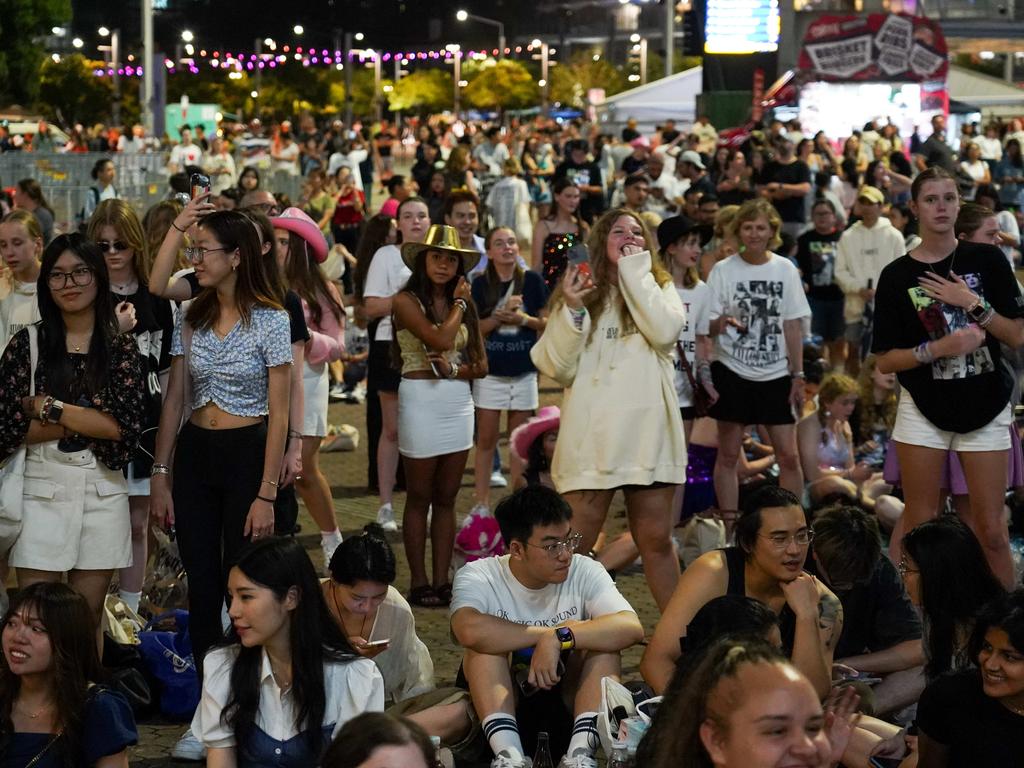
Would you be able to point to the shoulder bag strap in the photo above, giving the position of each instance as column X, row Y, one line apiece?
column 687, row 368
column 186, row 375
column 33, row 355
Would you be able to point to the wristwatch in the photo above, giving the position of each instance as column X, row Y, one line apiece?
column 978, row 311
column 54, row 412
column 566, row 638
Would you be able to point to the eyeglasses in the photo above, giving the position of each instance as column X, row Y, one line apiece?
column 117, row 246
column 195, row 255
column 904, row 568
column 80, row 276
column 782, row 540
column 271, row 209
column 558, row 548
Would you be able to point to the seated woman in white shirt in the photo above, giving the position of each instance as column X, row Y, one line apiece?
column 380, row 625
column 286, row 680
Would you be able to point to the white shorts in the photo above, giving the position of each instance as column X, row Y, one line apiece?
column 315, row 383
column 75, row 514
column 506, row 393
column 435, row 417
column 913, row 428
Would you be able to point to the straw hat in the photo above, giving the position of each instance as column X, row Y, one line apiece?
column 441, row 237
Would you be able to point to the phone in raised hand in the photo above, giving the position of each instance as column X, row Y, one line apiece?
column 579, row 257
column 199, row 183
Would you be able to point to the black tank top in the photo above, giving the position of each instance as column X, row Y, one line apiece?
column 735, row 562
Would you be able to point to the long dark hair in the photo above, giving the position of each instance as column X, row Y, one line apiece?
column 70, row 626
column 421, row 288
column 955, row 579
column 281, row 565
column 34, row 192
column 255, row 286
column 493, row 281
column 374, row 236
column 305, row 277
column 560, row 185
column 54, row 359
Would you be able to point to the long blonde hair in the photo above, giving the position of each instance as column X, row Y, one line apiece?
column 122, row 217
column 597, row 244
column 870, row 411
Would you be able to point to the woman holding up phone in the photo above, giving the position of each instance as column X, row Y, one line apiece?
column 437, row 334
column 609, row 340
column 116, row 229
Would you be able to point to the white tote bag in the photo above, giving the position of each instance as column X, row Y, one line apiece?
column 12, row 473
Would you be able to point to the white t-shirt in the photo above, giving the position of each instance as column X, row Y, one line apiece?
column 697, row 303
column 489, row 586
column 506, row 202
column 290, row 163
column 351, row 688
column 761, row 297
column 182, row 156
column 350, row 161
column 386, row 276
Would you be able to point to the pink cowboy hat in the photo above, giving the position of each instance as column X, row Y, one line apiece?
column 522, row 437
column 295, row 220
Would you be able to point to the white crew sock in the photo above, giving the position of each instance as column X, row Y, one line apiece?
column 502, row 733
column 584, row 735
column 331, row 537
column 131, row 599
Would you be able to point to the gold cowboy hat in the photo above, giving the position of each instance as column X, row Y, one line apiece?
column 441, row 237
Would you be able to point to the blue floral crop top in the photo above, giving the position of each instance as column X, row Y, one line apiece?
column 232, row 372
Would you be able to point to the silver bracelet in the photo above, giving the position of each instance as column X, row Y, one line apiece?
column 160, row 469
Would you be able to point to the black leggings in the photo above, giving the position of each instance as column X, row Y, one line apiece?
column 217, row 475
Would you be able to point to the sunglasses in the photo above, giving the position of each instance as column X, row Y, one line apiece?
column 118, row 246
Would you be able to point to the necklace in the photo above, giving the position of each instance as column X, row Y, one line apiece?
column 35, row 715
column 1017, row 709
column 77, row 347
column 341, row 616
column 125, row 289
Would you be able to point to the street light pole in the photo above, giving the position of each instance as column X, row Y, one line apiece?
column 464, row 15
column 670, row 35
column 643, row 61
column 347, row 53
column 398, row 76
column 377, row 96
column 458, row 78
column 147, row 63
column 259, row 73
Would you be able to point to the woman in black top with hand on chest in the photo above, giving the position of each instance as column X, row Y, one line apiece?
column 940, row 312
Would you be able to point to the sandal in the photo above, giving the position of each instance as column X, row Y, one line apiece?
column 425, row 597
column 444, row 593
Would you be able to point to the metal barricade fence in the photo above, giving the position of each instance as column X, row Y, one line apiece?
column 140, row 178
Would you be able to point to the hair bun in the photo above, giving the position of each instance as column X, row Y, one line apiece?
column 375, row 531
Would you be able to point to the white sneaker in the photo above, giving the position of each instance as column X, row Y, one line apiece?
column 498, row 480
column 336, row 393
column 504, row 759
column 328, row 546
column 579, row 760
column 386, row 518
column 189, row 748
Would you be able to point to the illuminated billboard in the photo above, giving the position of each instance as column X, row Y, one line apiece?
column 741, row 26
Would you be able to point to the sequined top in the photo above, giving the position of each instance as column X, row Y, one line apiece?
column 555, row 258
column 414, row 352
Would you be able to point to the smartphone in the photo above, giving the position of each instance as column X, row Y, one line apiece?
column 579, row 257
column 200, row 184
column 885, row 762
column 377, row 643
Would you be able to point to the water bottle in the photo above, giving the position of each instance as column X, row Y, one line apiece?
column 621, row 758
column 542, row 756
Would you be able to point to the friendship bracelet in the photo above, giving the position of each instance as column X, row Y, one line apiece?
column 987, row 318
column 44, row 409
column 264, row 498
column 294, row 433
column 177, row 227
column 160, row 469
column 461, row 304
column 923, row 353
column 453, row 371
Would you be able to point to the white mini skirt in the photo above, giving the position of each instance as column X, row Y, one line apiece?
column 435, row 417
column 315, row 384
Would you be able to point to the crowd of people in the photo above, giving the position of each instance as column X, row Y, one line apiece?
column 796, row 359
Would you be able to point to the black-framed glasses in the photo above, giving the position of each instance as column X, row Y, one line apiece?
column 782, row 540
column 118, row 246
column 195, row 254
column 79, row 277
column 556, row 549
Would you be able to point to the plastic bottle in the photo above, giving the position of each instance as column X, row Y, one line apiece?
column 621, row 758
column 542, row 756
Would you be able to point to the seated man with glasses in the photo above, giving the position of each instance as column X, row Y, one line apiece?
column 558, row 616
column 881, row 636
column 767, row 564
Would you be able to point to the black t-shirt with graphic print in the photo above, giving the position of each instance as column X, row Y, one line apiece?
column 960, row 393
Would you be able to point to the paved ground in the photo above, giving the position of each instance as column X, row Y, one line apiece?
column 346, row 473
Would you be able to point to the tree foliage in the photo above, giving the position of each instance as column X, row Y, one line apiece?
column 22, row 23
column 502, row 85
column 424, row 90
column 570, row 82
column 70, row 93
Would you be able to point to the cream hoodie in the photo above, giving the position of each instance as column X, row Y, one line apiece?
column 861, row 256
column 620, row 417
